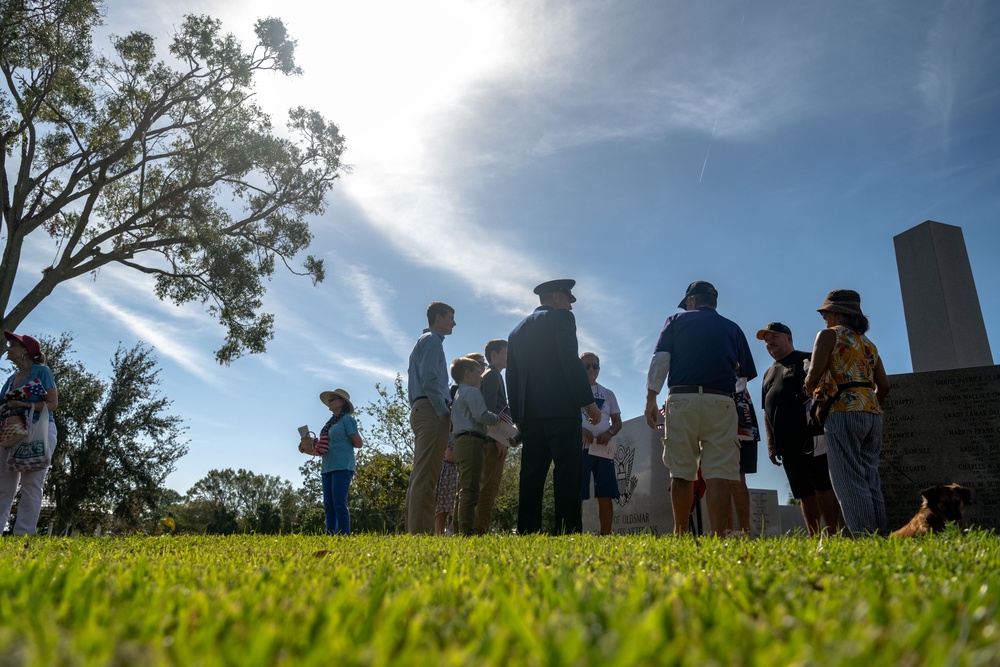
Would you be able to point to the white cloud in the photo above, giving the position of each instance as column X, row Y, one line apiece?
column 168, row 339
column 950, row 61
column 373, row 295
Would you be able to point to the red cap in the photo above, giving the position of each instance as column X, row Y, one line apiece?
column 29, row 343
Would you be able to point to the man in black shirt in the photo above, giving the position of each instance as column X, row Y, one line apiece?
column 789, row 443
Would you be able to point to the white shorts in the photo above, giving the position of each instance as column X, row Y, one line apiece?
column 701, row 427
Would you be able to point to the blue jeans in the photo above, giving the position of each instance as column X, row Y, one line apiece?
column 335, row 484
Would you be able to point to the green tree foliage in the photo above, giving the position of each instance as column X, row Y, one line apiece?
column 378, row 493
column 312, row 484
column 170, row 170
column 117, row 442
column 388, row 428
column 239, row 501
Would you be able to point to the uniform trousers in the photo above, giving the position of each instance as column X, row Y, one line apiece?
column 546, row 442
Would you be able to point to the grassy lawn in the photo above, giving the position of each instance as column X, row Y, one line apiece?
column 372, row 600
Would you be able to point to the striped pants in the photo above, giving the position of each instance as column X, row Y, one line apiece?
column 854, row 442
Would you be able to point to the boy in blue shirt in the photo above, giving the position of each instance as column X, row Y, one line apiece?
column 469, row 420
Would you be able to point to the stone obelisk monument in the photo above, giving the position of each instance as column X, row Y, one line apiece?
column 944, row 322
column 942, row 422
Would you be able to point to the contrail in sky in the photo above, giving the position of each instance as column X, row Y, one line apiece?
column 707, row 151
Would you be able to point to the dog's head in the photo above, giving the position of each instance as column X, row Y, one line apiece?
column 947, row 502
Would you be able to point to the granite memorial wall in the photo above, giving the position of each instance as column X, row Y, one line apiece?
column 942, row 427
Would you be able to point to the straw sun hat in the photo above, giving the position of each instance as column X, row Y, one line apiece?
column 327, row 395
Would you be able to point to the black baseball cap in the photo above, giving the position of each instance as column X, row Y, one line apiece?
column 773, row 327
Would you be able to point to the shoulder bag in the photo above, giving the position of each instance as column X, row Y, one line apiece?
column 817, row 410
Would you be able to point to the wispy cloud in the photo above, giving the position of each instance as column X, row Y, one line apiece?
column 949, row 62
column 557, row 90
column 167, row 338
column 373, row 295
column 362, row 364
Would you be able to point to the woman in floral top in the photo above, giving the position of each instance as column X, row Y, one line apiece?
column 846, row 367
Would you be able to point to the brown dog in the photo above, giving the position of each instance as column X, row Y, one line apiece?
column 942, row 505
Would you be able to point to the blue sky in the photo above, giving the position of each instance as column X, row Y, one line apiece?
column 773, row 149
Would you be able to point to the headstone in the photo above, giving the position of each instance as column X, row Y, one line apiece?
column 944, row 323
column 765, row 518
column 942, row 427
column 644, row 485
column 792, row 521
column 643, row 482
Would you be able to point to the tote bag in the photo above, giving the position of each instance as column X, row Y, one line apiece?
column 35, row 451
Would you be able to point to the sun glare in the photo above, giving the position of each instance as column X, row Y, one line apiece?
column 387, row 68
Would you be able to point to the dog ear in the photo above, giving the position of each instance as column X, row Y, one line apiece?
column 965, row 494
column 932, row 494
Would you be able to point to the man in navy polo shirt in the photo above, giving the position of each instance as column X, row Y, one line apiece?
column 704, row 359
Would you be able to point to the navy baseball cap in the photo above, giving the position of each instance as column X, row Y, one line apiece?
column 698, row 287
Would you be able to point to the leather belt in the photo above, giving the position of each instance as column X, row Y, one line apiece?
column 474, row 434
column 698, row 389
column 417, row 399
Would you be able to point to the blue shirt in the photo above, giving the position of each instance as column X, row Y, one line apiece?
column 428, row 372
column 705, row 349
column 340, row 456
column 469, row 411
column 44, row 376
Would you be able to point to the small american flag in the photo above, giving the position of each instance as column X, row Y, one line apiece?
column 29, row 390
column 506, row 417
column 34, row 388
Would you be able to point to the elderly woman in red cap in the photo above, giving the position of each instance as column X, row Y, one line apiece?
column 337, row 441
column 31, row 386
column 847, row 371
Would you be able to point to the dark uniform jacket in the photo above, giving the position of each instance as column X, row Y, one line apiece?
column 545, row 377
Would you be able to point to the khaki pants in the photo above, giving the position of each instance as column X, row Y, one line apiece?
column 489, row 487
column 430, row 439
column 469, row 452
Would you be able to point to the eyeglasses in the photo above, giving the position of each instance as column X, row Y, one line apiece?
column 595, row 367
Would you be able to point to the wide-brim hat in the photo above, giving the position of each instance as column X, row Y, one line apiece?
column 561, row 285
column 29, row 343
column 773, row 327
column 327, row 395
column 845, row 301
column 698, row 287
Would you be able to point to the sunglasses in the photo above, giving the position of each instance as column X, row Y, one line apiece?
column 595, row 367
